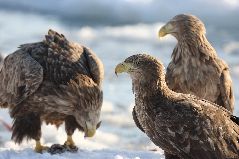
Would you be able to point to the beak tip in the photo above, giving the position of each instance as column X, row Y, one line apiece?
column 119, row 69
column 90, row 133
column 161, row 34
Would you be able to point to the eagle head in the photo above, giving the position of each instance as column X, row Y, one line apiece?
column 138, row 65
column 183, row 25
column 87, row 106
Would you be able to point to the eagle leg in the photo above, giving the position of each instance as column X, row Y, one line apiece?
column 39, row 148
column 69, row 142
column 70, row 126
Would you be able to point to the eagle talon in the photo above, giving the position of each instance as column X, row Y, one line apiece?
column 71, row 147
column 70, row 143
column 39, row 148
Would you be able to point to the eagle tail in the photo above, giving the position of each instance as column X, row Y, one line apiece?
column 26, row 126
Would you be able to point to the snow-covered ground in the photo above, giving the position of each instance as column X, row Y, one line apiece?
column 114, row 31
column 82, row 154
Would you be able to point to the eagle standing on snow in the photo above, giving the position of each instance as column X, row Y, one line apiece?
column 195, row 67
column 180, row 124
column 54, row 81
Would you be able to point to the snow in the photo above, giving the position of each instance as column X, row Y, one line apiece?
column 82, row 154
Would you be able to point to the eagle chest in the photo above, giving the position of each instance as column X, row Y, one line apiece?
column 195, row 77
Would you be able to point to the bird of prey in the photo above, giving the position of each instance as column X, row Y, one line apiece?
column 195, row 67
column 52, row 81
column 180, row 124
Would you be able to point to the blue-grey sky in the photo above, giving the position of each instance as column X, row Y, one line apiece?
column 115, row 12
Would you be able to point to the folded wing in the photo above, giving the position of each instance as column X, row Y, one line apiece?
column 20, row 76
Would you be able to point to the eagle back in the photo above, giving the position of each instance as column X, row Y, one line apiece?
column 61, row 59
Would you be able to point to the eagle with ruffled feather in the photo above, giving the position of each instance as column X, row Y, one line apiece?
column 195, row 67
column 183, row 125
column 52, row 81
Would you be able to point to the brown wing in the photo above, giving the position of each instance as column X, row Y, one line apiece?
column 226, row 92
column 20, row 76
column 135, row 118
column 63, row 60
column 95, row 66
column 197, row 133
column 72, row 59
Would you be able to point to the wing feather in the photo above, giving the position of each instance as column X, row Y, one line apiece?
column 20, row 76
column 226, row 91
column 135, row 118
column 95, row 66
column 65, row 60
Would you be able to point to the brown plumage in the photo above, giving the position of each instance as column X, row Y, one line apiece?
column 54, row 81
column 1, row 58
column 195, row 67
column 180, row 124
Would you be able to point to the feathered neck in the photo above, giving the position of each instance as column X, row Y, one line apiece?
column 150, row 82
column 193, row 45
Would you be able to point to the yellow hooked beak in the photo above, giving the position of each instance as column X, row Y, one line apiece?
column 122, row 67
column 90, row 132
column 166, row 29
column 90, row 129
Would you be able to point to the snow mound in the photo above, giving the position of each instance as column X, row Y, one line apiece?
column 82, row 154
